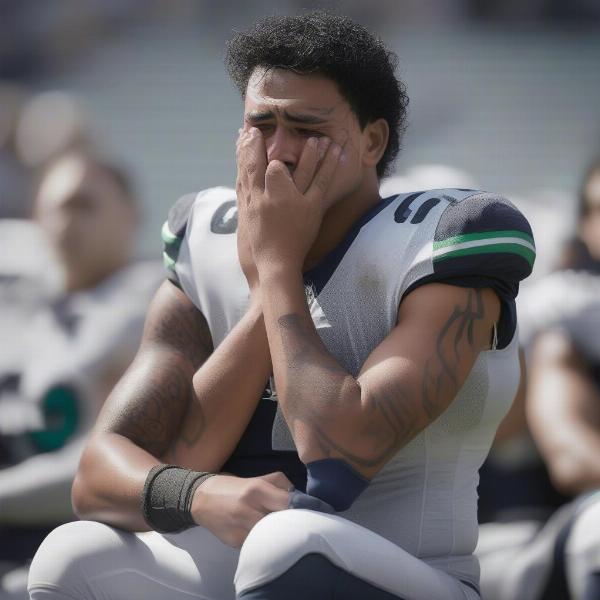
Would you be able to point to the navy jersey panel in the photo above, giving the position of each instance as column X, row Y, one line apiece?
column 254, row 455
column 483, row 241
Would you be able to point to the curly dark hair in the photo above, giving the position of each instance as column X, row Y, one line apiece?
column 333, row 46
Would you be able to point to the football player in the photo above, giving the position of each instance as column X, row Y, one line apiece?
column 386, row 327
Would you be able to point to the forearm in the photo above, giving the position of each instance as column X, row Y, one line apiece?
column 108, row 486
column 313, row 389
column 404, row 384
column 227, row 389
column 156, row 415
column 135, row 428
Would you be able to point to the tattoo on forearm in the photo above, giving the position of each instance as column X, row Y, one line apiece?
column 389, row 423
column 315, row 381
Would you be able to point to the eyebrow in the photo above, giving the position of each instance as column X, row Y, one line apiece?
column 259, row 117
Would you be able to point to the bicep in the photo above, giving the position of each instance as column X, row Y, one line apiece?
column 150, row 401
column 417, row 370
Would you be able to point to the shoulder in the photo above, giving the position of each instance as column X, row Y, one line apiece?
column 484, row 233
column 217, row 201
column 459, row 231
column 470, row 238
column 486, row 226
column 213, row 210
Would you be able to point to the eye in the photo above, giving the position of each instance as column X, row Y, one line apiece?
column 309, row 133
column 264, row 127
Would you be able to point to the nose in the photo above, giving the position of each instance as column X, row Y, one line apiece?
column 284, row 146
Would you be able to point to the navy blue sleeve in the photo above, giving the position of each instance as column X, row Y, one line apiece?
column 484, row 241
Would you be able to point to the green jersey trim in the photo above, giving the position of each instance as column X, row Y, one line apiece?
column 168, row 262
column 491, row 246
column 168, row 237
column 488, row 235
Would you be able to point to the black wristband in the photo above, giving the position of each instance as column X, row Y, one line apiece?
column 167, row 497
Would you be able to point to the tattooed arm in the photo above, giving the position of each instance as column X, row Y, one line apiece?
column 177, row 403
column 406, row 382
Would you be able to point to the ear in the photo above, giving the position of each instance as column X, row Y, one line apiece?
column 375, row 138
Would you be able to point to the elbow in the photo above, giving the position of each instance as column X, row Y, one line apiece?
column 81, row 490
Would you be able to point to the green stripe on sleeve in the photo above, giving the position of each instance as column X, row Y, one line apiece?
column 169, row 238
column 501, row 248
column 168, row 262
column 471, row 237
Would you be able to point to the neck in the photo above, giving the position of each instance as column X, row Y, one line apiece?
column 338, row 221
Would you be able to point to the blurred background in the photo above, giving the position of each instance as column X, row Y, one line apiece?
column 129, row 99
column 507, row 91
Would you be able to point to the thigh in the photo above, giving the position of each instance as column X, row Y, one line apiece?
column 92, row 561
column 282, row 539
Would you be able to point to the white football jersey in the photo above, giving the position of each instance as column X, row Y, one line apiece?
column 425, row 498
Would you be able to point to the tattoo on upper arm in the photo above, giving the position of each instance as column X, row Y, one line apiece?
column 156, row 395
column 153, row 414
column 441, row 371
column 184, row 328
column 392, row 420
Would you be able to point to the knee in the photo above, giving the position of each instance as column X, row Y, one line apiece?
column 277, row 542
column 67, row 558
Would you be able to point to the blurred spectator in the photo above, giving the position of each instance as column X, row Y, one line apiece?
column 14, row 183
column 33, row 132
column 560, row 319
column 78, row 345
column 51, row 124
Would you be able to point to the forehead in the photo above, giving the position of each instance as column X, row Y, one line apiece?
column 275, row 89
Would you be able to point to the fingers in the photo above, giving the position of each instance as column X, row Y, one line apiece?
column 324, row 176
column 251, row 159
column 274, row 493
column 278, row 180
column 307, row 164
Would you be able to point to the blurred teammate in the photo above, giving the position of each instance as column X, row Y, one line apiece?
column 389, row 329
column 560, row 319
column 76, row 346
